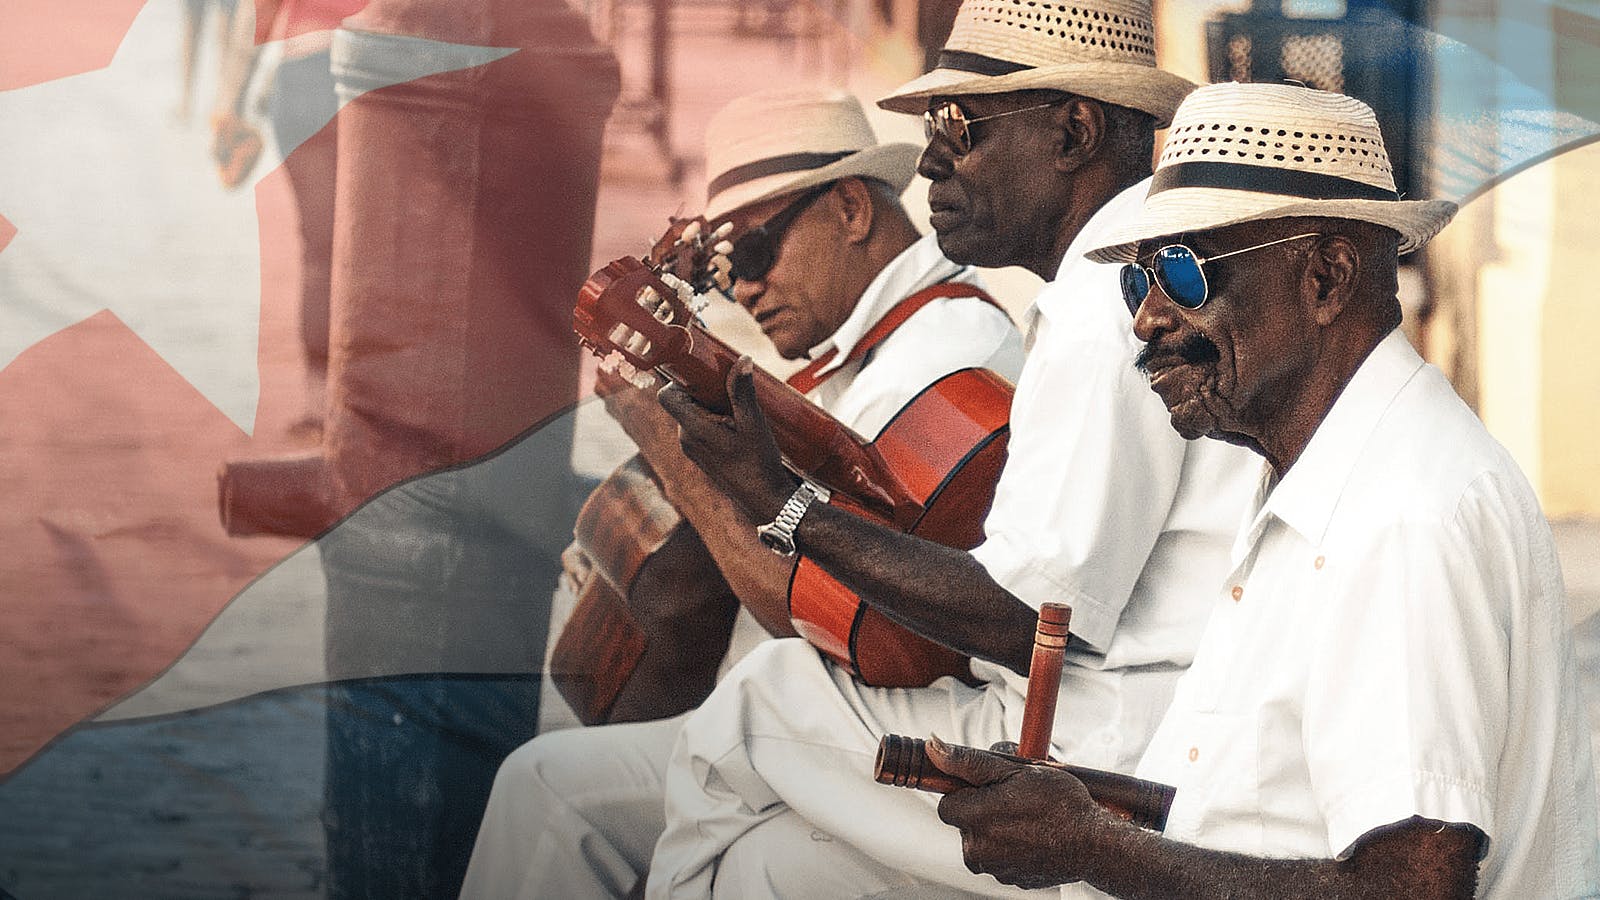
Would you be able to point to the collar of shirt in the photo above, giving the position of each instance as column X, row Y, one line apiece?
column 918, row 266
column 1119, row 210
column 1305, row 498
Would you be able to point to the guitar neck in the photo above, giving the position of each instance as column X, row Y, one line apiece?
column 813, row 443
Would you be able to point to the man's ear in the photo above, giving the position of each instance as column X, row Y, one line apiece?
column 1331, row 274
column 1081, row 123
column 854, row 204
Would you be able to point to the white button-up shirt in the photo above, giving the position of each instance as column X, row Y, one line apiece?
column 1392, row 642
column 1103, row 506
column 946, row 335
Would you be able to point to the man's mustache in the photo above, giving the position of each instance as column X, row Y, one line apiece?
column 1195, row 349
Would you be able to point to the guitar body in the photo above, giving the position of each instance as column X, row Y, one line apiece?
column 947, row 446
column 654, row 613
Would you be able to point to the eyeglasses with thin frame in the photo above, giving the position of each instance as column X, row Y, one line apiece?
column 951, row 121
column 1181, row 273
column 755, row 251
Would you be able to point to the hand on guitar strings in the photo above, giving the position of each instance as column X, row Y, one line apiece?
column 1030, row 826
column 736, row 450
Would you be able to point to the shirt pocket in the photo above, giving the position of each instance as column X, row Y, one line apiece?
column 1218, row 799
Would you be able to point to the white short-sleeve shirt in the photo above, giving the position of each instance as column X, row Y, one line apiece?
column 1392, row 642
column 1103, row 506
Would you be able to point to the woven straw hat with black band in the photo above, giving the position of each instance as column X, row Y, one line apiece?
column 1246, row 152
column 1102, row 49
column 773, row 143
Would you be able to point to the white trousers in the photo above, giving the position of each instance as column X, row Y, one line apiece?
column 575, row 814
column 785, row 732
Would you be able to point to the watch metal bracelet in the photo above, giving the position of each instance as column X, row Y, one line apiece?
column 778, row 535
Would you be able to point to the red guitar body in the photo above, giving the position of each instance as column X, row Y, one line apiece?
column 947, row 447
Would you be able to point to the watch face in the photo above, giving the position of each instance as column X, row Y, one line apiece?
column 775, row 540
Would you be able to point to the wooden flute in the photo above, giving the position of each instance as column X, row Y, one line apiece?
column 903, row 761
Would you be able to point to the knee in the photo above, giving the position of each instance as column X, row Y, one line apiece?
column 518, row 772
column 536, row 767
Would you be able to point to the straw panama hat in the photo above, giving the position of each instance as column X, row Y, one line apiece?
column 1102, row 49
column 1247, row 152
column 772, row 143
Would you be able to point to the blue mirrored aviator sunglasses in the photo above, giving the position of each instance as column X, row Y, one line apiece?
column 1181, row 274
column 755, row 251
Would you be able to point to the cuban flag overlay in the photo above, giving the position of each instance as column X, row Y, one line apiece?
column 288, row 398
column 226, row 667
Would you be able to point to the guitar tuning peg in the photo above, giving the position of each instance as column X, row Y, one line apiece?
column 685, row 289
column 690, row 232
column 723, row 248
column 723, row 230
column 722, row 272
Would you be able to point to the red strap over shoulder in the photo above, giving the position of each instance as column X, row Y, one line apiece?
column 807, row 379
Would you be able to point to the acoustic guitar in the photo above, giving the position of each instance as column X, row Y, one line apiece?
column 654, row 614
column 931, row 472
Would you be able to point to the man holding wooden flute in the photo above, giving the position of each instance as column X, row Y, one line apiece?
column 1384, row 702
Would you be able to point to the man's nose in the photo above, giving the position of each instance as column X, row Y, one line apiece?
column 936, row 161
column 1156, row 314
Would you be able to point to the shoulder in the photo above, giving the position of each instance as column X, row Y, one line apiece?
column 1433, row 476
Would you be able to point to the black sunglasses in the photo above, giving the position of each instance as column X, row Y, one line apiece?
column 755, row 251
column 1181, row 273
column 949, row 120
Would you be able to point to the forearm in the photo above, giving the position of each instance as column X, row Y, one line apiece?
column 1417, row 861
column 939, row 592
column 758, row 576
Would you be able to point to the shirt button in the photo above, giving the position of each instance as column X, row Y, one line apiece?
column 1238, row 592
column 1194, row 753
column 1317, row 564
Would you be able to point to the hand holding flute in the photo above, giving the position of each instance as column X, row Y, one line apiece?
column 905, row 761
column 1024, row 819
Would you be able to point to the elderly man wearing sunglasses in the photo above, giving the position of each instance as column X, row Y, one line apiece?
column 1384, row 701
column 825, row 259
column 1040, row 129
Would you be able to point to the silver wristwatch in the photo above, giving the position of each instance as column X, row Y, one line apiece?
column 778, row 535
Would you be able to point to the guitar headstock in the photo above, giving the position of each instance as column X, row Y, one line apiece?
column 626, row 312
column 698, row 256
